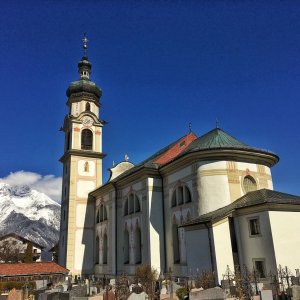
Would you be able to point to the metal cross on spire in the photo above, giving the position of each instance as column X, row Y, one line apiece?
column 85, row 40
column 190, row 127
column 217, row 123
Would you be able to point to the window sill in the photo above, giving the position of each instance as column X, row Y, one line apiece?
column 255, row 235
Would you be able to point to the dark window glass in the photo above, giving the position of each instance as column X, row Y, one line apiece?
column 86, row 139
column 260, row 268
column 254, row 227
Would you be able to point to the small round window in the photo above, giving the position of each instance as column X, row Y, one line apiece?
column 249, row 184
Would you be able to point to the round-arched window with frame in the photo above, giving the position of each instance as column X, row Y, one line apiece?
column 249, row 184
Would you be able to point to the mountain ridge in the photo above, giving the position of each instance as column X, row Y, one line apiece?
column 30, row 214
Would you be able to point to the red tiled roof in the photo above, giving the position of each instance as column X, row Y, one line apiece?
column 176, row 149
column 31, row 268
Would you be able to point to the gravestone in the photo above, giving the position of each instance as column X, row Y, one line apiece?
column 93, row 290
column 266, row 295
column 141, row 296
column 295, row 280
column 15, row 295
column 216, row 293
column 296, row 292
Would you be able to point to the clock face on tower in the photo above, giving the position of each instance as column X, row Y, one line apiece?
column 87, row 121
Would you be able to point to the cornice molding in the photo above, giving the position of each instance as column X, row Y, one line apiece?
column 81, row 153
column 263, row 158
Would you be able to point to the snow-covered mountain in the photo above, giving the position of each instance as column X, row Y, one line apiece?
column 29, row 213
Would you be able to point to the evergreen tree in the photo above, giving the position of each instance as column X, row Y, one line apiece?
column 28, row 253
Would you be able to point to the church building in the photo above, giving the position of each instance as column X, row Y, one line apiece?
column 201, row 202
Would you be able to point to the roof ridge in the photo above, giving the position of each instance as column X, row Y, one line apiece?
column 258, row 197
column 151, row 158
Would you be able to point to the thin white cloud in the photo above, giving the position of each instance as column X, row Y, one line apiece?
column 48, row 184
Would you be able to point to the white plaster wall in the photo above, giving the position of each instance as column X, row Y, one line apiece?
column 98, row 140
column 96, row 111
column 286, row 238
column 180, row 174
column 75, row 109
column 243, row 166
column 212, row 165
column 223, row 250
column 214, row 192
column 84, row 187
column 156, row 232
column 255, row 247
column 137, row 186
column 270, row 185
column 198, row 251
column 81, row 164
column 84, row 249
column 84, row 215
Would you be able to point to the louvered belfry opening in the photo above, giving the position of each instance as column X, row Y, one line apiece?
column 86, row 139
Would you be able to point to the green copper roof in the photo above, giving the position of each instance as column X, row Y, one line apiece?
column 83, row 85
column 217, row 138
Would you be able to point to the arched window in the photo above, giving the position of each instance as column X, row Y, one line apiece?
column 187, row 195
column 105, row 249
column 181, row 195
column 98, row 216
column 126, row 247
column 126, row 207
column 86, row 139
column 249, row 184
column 102, row 214
column 176, row 253
column 137, row 207
column 97, row 250
column 132, row 204
column 86, row 167
column 87, row 106
column 138, row 246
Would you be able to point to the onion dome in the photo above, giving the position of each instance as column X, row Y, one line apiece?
column 84, row 84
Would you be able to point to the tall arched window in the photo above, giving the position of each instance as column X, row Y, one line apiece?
column 105, row 249
column 101, row 214
column 176, row 252
column 249, row 184
column 98, row 216
column 126, row 246
column 181, row 195
column 138, row 245
column 126, row 207
column 87, row 106
column 97, row 250
column 132, row 204
column 86, row 139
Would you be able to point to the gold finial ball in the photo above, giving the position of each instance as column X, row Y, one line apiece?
column 85, row 40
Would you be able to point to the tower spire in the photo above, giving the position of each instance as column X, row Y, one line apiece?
column 84, row 66
column 84, row 40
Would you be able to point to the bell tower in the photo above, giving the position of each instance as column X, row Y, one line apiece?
column 82, row 170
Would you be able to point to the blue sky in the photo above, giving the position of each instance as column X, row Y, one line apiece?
column 161, row 65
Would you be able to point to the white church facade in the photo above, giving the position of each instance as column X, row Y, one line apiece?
column 201, row 202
